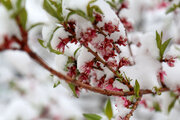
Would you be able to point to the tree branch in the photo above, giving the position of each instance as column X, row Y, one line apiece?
column 127, row 117
column 24, row 47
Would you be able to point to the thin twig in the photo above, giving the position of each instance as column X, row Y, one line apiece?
column 109, row 67
column 127, row 117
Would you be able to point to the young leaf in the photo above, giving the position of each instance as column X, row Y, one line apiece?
column 157, row 90
column 72, row 86
column 18, row 4
column 51, row 10
column 173, row 8
column 157, row 107
column 58, row 7
column 108, row 110
column 56, row 84
column 41, row 42
column 76, row 51
column 136, row 89
column 120, row 77
column 90, row 2
column 113, row 5
column 23, row 17
column 69, row 61
column 49, row 43
column 171, row 105
column 92, row 116
column 78, row 12
column 97, row 9
column 91, row 9
column 69, row 14
column 88, row 8
column 34, row 25
column 7, row 4
column 121, row 1
column 158, row 40
column 164, row 46
column 172, row 94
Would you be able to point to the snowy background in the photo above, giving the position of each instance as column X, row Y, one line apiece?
column 26, row 89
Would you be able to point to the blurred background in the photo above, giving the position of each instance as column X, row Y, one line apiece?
column 26, row 89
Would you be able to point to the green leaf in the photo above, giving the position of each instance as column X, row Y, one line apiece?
column 88, row 6
column 72, row 86
column 157, row 90
column 34, row 25
column 78, row 12
column 92, row 116
column 113, row 5
column 90, row 2
column 158, row 40
column 49, row 43
column 18, row 4
column 171, row 105
column 136, row 89
column 56, row 84
column 69, row 61
column 161, row 47
column 41, row 42
column 108, row 110
column 69, row 14
column 172, row 94
column 164, row 46
column 51, row 10
column 76, row 51
column 97, row 9
column 120, row 77
column 121, row 1
column 23, row 17
column 7, row 4
column 58, row 7
column 173, row 8
column 157, row 106
column 90, row 10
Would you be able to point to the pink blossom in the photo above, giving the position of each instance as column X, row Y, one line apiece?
column 62, row 43
column 101, row 81
column 88, row 36
column 170, row 60
column 77, row 90
column 110, row 28
column 126, row 102
column 161, row 75
column 72, row 71
column 163, row 4
column 98, row 18
column 84, row 78
column 124, row 62
column 121, row 41
column 112, row 63
column 71, row 27
column 88, row 67
column 124, row 5
column 110, row 87
column 144, row 103
column 126, row 24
